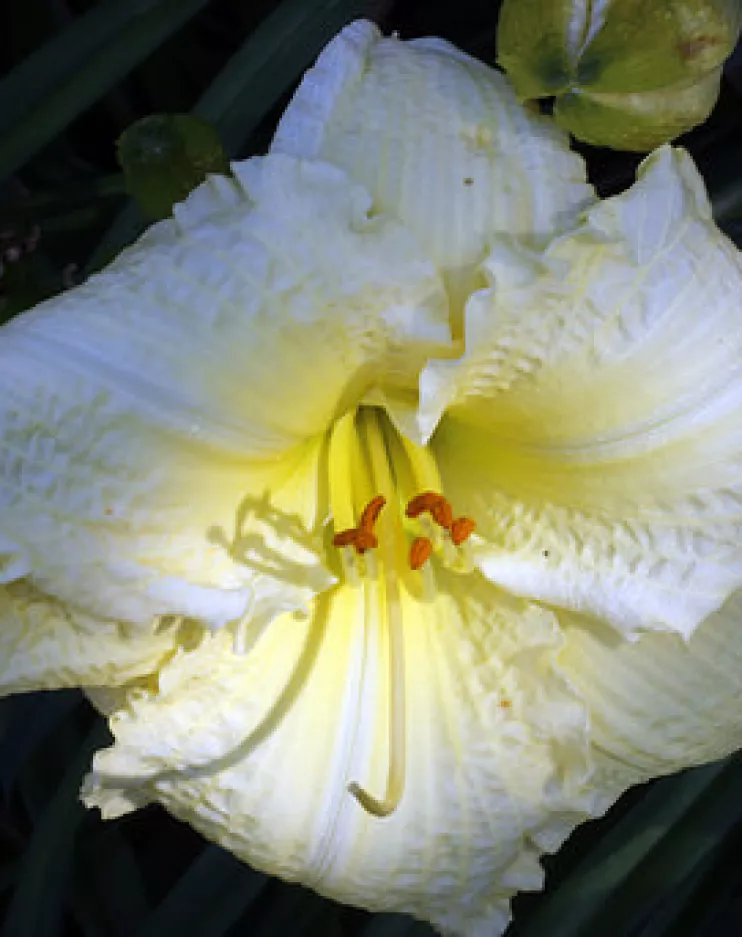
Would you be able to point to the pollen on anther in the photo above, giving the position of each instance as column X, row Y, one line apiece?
column 442, row 514
column 356, row 537
column 420, row 552
column 461, row 529
column 434, row 504
column 371, row 512
column 365, row 540
column 345, row 538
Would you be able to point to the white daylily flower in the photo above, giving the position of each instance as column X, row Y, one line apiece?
column 240, row 469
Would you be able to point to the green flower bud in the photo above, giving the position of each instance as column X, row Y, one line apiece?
column 630, row 74
column 165, row 156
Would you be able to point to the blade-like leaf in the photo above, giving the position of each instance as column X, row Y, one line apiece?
column 213, row 894
column 30, row 719
column 49, row 89
column 569, row 910
column 36, row 907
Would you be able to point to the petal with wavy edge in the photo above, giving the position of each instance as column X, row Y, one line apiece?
column 140, row 410
column 439, row 140
column 593, row 425
column 660, row 704
column 257, row 752
column 43, row 645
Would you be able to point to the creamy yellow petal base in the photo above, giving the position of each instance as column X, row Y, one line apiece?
column 593, row 426
column 44, row 645
column 439, row 140
column 258, row 752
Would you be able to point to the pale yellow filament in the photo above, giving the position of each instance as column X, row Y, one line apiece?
column 383, row 482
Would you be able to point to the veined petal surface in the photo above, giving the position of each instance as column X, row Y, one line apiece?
column 43, row 645
column 257, row 752
column 161, row 424
column 439, row 140
column 593, row 424
column 660, row 703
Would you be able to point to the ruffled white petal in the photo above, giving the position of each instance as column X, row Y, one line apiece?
column 161, row 424
column 593, row 426
column 439, row 140
column 660, row 704
column 45, row 645
column 257, row 752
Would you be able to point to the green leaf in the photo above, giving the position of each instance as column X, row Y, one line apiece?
column 108, row 889
column 571, row 909
column 36, row 907
column 212, row 895
column 52, row 87
column 165, row 156
column 686, row 846
column 30, row 719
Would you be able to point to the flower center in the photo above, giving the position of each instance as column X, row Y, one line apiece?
column 390, row 520
column 372, row 466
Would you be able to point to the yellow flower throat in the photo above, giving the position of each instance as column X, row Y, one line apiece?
column 390, row 519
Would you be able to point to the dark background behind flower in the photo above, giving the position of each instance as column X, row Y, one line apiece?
column 665, row 862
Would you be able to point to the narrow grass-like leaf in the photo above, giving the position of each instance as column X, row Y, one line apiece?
column 293, row 911
column 686, row 845
column 37, row 904
column 40, row 73
column 8, row 875
column 108, row 884
column 213, row 894
column 45, row 207
column 676, row 906
column 31, row 718
column 96, row 59
column 566, row 911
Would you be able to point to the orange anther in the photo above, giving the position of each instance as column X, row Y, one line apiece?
column 420, row 552
column 371, row 512
column 461, row 529
column 345, row 538
column 365, row 540
column 435, row 504
column 442, row 514
column 421, row 503
column 358, row 538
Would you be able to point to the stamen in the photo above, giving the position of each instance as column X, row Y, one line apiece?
column 420, row 552
column 362, row 538
column 461, row 529
column 432, row 503
column 442, row 514
column 345, row 538
column 356, row 537
column 350, row 566
column 365, row 540
column 371, row 512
